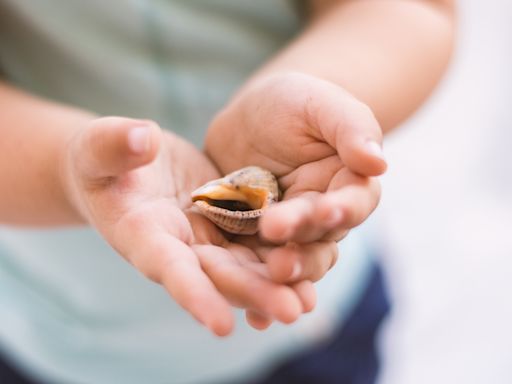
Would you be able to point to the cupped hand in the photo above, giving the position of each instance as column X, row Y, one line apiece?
column 132, row 182
column 325, row 148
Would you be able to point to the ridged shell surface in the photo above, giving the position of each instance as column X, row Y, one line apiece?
column 253, row 185
column 254, row 177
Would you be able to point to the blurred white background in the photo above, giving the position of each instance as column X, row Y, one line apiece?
column 446, row 217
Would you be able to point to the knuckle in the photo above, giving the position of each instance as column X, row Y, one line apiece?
column 336, row 235
column 333, row 261
column 351, row 216
column 323, row 262
column 334, row 252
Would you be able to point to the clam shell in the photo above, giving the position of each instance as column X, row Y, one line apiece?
column 253, row 187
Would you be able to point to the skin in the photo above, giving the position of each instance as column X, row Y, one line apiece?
column 315, row 114
column 142, row 207
column 131, row 181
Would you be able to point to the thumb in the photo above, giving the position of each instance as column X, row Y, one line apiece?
column 350, row 127
column 359, row 142
column 110, row 146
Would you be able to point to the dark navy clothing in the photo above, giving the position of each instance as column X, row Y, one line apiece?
column 9, row 375
column 350, row 357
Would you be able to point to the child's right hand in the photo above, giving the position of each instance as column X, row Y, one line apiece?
column 132, row 182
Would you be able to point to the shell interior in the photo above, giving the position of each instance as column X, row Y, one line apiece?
column 235, row 202
column 234, row 198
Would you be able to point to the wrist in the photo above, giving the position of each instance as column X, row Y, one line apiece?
column 66, row 173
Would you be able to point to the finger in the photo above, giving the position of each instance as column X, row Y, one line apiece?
column 354, row 196
column 172, row 263
column 325, row 218
column 358, row 150
column 336, row 234
column 247, row 288
column 296, row 262
column 339, row 210
column 183, row 278
column 351, row 199
column 280, row 221
column 257, row 320
column 305, row 289
column 307, row 294
column 110, row 146
column 349, row 126
column 304, row 219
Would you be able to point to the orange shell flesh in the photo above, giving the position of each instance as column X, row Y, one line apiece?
column 251, row 190
column 254, row 197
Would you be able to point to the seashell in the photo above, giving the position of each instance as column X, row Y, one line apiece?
column 236, row 201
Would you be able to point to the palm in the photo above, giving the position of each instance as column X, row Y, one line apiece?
column 146, row 216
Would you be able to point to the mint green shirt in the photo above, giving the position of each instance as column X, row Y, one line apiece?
column 71, row 309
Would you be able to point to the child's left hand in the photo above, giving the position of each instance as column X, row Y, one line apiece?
column 321, row 143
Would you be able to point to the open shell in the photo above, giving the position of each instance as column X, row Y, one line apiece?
column 236, row 201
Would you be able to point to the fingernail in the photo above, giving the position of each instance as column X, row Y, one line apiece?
column 297, row 270
column 139, row 140
column 375, row 149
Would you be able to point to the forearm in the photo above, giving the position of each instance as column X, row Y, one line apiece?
column 34, row 136
column 390, row 54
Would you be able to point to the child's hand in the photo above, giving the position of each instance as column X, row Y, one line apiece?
column 322, row 144
column 133, row 182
